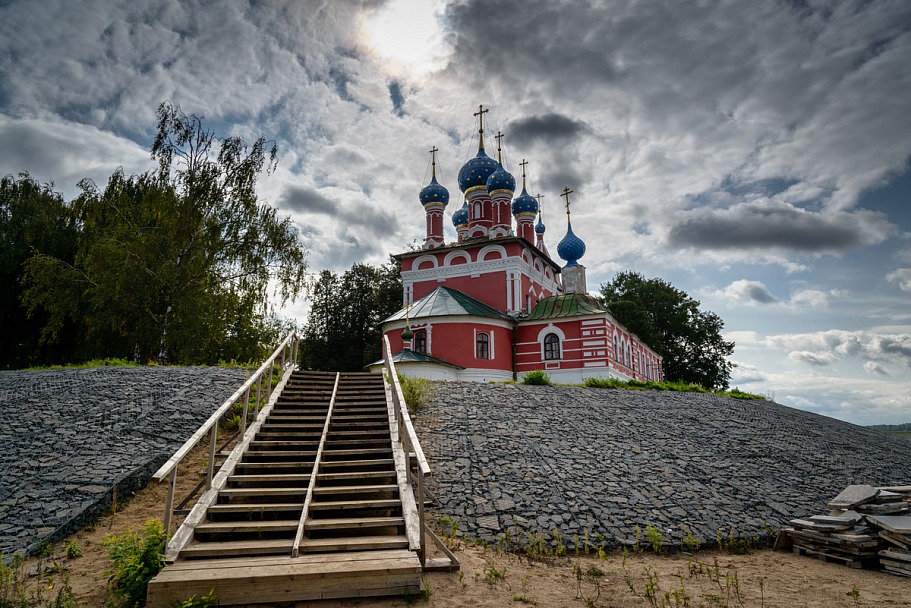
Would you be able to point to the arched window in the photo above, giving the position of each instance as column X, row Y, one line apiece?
column 551, row 347
column 419, row 342
column 482, row 346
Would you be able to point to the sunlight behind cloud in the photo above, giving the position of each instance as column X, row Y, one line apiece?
column 406, row 34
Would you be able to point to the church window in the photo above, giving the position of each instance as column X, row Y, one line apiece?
column 482, row 346
column 551, row 347
column 419, row 342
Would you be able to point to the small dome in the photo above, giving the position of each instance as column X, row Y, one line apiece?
column 501, row 179
column 434, row 192
column 525, row 203
column 407, row 334
column 476, row 171
column 539, row 227
column 460, row 217
column 571, row 248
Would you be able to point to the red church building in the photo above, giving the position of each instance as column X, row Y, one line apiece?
column 494, row 305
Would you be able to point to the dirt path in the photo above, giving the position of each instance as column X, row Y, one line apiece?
column 494, row 579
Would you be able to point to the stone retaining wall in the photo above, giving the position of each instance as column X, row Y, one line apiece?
column 69, row 437
column 531, row 459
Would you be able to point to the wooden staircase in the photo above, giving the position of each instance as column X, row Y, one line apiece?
column 309, row 505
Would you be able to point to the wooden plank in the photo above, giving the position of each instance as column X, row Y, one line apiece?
column 353, row 543
column 355, row 475
column 301, row 523
column 896, row 539
column 247, row 527
column 338, row 523
column 246, row 492
column 896, row 554
column 238, row 547
column 406, row 494
column 184, row 534
column 256, row 507
column 355, row 504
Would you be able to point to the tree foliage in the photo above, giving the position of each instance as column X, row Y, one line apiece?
column 34, row 219
column 175, row 264
column 343, row 330
column 671, row 323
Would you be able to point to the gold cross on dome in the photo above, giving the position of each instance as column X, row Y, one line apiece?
column 498, row 137
column 566, row 193
column 481, row 112
column 433, row 159
column 540, row 205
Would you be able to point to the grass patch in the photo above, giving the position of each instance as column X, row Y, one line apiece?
column 416, row 392
column 680, row 387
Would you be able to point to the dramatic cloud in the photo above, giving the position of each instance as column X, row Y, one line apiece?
column 545, row 128
column 826, row 345
column 778, row 225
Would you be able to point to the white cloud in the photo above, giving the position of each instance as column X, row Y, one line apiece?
column 827, row 345
column 743, row 291
column 902, row 276
column 875, row 368
column 811, row 358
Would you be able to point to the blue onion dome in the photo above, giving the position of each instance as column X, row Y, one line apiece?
column 501, row 180
column 539, row 227
column 525, row 203
column 434, row 193
column 571, row 248
column 460, row 217
column 475, row 172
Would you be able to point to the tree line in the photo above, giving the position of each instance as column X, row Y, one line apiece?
column 175, row 265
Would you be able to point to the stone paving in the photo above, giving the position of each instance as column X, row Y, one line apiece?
column 531, row 459
column 69, row 437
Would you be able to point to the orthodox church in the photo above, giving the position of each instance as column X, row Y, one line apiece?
column 494, row 305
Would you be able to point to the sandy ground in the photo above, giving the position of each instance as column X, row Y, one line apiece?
column 494, row 579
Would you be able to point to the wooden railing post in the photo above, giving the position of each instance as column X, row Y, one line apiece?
column 243, row 421
column 169, row 503
column 213, row 441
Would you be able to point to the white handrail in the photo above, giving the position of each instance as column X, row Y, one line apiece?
column 407, row 437
column 169, row 469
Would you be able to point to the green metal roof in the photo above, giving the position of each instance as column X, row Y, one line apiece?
column 409, row 356
column 570, row 305
column 444, row 301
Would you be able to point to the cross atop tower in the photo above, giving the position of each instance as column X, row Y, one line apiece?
column 480, row 113
column 566, row 193
column 540, row 205
column 524, row 163
column 498, row 137
column 433, row 159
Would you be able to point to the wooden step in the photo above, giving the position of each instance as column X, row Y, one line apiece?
column 261, row 492
column 338, row 464
column 264, row 546
column 355, row 452
column 248, row 527
column 255, row 507
column 300, row 467
column 344, row 523
column 286, row 580
column 322, row 490
column 355, row 475
column 355, row 504
column 269, row 478
column 353, row 543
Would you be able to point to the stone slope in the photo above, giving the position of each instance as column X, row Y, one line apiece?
column 533, row 458
column 70, row 436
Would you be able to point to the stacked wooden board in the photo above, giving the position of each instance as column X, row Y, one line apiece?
column 866, row 526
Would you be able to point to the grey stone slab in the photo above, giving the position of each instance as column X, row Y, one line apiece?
column 853, row 496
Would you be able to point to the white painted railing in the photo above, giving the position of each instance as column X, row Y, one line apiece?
column 284, row 356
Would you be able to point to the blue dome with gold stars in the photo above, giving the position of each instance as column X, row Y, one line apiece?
column 434, row 193
column 476, row 171
column 525, row 203
column 539, row 227
column 571, row 248
column 501, row 179
column 460, row 217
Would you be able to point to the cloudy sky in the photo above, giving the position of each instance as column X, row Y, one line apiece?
column 753, row 153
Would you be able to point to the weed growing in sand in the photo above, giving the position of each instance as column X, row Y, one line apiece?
column 72, row 550
column 205, row 601
column 855, row 595
column 493, row 575
column 655, row 539
column 136, row 560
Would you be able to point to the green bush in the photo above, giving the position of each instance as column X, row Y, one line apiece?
column 137, row 559
column 536, row 377
column 416, row 392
